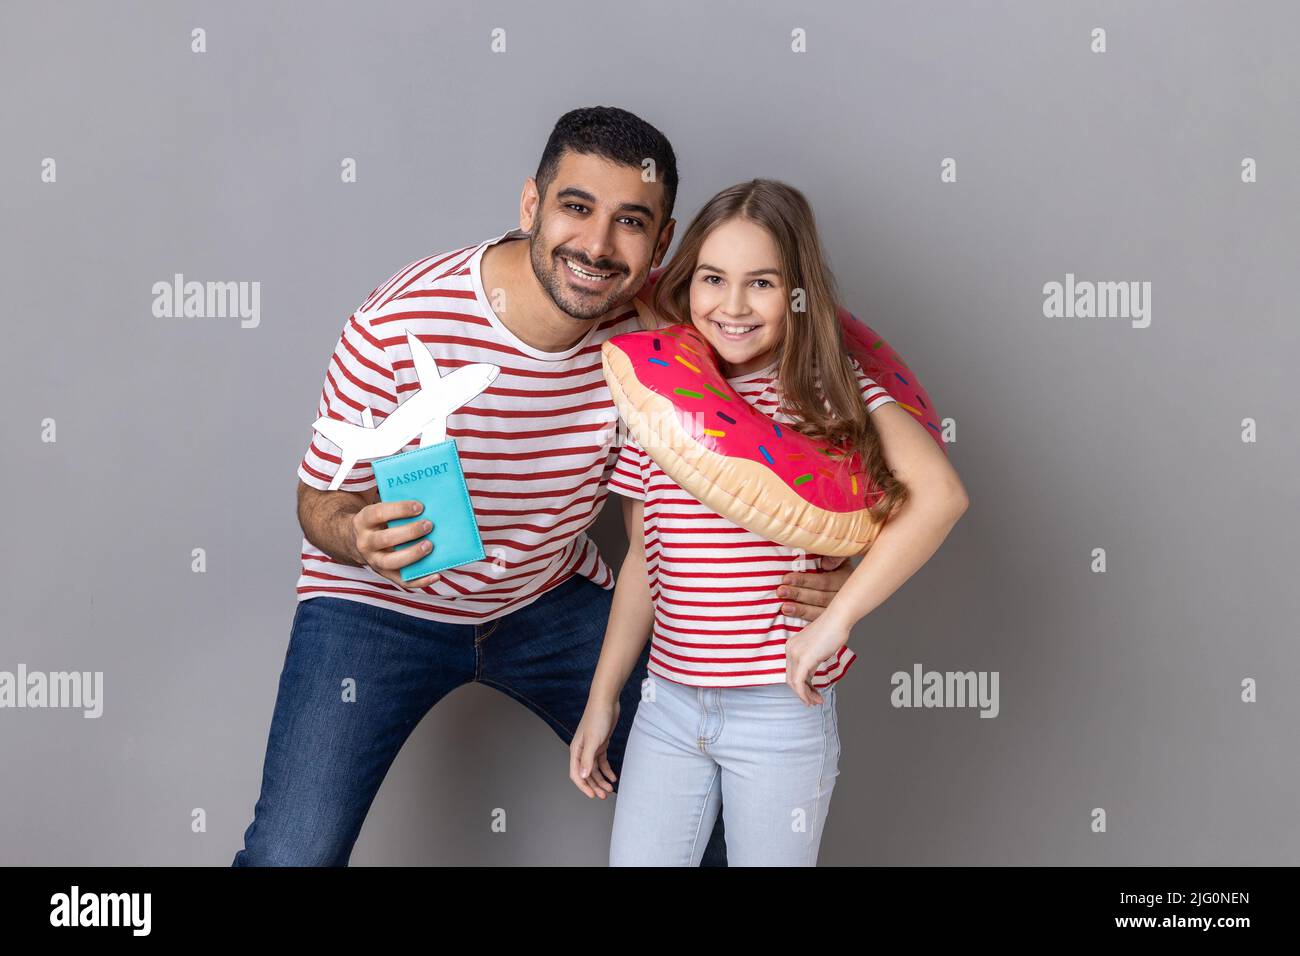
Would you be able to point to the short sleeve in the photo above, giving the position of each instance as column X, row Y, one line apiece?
column 628, row 477
column 359, row 376
column 873, row 394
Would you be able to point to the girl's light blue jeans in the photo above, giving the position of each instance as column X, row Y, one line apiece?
column 765, row 756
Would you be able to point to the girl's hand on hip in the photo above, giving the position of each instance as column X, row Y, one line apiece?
column 820, row 640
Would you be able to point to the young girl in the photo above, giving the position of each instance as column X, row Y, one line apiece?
column 739, row 707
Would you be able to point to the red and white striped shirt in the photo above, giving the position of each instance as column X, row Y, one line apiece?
column 717, row 617
column 537, row 446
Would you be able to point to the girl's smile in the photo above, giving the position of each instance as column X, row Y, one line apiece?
column 735, row 332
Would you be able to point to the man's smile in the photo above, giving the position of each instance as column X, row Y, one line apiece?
column 586, row 275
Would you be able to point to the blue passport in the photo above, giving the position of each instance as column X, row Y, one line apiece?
column 432, row 475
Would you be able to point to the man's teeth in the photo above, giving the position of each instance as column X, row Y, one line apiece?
column 735, row 329
column 584, row 274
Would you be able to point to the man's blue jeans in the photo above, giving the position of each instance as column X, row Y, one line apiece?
column 325, row 758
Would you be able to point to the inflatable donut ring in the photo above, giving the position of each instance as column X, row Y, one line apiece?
column 765, row 477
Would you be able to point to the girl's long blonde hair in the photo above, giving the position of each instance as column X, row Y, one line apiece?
column 813, row 347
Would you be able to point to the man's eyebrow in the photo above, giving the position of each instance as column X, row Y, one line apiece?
column 705, row 267
column 576, row 193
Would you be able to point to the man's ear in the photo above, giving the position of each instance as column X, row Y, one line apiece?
column 665, row 240
column 529, row 200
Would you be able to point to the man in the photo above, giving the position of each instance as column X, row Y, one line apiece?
column 537, row 448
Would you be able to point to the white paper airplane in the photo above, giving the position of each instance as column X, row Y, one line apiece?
column 424, row 413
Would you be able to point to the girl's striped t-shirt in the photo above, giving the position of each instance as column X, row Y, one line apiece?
column 536, row 447
column 717, row 617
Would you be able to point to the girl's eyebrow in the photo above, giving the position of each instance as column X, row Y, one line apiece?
column 756, row 272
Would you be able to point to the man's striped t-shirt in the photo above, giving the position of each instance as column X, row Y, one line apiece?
column 717, row 617
column 537, row 446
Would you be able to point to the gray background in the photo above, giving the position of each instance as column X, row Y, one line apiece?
column 1118, row 690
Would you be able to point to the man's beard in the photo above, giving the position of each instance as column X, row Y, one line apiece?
column 579, row 305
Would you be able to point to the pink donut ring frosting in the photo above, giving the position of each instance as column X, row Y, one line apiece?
column 759, row 474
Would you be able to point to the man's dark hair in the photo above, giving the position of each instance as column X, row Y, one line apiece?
column 616, row 135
